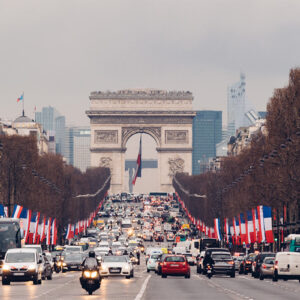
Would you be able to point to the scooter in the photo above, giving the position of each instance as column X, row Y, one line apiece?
column 209, row 271
column 90, row 279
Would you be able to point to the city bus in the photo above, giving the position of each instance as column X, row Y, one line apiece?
column 292, row 243
column 10, row 235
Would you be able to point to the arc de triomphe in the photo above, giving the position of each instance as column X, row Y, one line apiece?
column 166, row 116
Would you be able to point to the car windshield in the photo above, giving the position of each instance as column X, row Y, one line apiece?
column 174, row 259
column 188, row 255
column 73, row 257
column 72, row 249
column 221, row 256
column 155, row 256
column 108, row 259
column 20, row 257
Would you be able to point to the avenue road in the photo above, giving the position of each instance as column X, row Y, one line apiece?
column 149, row 286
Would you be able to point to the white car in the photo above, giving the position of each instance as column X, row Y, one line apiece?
column 22, row 264
column 151, row 263
column 287, row 266
column 116, row 266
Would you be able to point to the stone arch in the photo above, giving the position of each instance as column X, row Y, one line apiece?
column 128, row 132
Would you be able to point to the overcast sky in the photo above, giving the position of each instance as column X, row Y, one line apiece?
column 58, row 51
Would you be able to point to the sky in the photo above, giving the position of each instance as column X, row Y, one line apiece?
column 58, row 51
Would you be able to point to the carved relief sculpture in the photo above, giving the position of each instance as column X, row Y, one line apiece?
column 176, row 136
column 106, row 162
column 106, row 137
column 176, row 165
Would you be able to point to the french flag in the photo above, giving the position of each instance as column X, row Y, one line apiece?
column 250, row 231
column 243, row 228
column 35, row 218
column 231, row 230
column 48, row 232
column 17, row 211
column 226, row 229
column 42, row 229
column 25, row 218
column 69, row 232
column 217, row 229
column 261, row 233
column 54, row 232
column 267, row 214
column 138, row 171
column 255, row 224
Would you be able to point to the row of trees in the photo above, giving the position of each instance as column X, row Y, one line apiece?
column 46, row 184
column 265, row 173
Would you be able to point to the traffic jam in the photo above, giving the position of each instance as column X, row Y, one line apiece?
column 152, row 232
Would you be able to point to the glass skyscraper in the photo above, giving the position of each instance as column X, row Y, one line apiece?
column 78, row 142
column 207, row 132
column 55, row 125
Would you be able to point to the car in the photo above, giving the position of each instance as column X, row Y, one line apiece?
column 190, row 258
column 287, row 266
column 258, row 261
column 116, row 266
column 237, row 261
column 77, row 249
column 37, row 247
column 159, row 263
column 47, row 269
column 199, row 262
column 72, row 262
column 224, row 263
column 170, row 237
column 267, row 268
column 22, row 264
column 175, row 265
column 152, row 262
column 246, row 264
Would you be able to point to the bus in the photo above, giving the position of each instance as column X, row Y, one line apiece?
column 10, row 235
column 292, row 243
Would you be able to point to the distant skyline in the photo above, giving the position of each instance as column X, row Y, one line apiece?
column 57, row 52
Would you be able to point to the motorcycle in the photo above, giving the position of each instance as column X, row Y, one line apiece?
column 90, row 279
column 209, row 271
column 58, row 265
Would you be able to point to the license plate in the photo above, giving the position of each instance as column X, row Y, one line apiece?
column 19, row 274
column 73, row 267
column 174, row 265
column 114, row 271
column 208, row 271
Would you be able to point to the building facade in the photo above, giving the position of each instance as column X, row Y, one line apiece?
column 77, row 143
column 207, row 133
column 55, row 125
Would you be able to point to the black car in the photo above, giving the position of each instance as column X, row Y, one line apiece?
column 258, row 261
column 47, row 269
column 72, row 262
column 224, row 263
column 246, row 264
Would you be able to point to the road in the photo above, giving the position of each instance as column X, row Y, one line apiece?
column 149, row 286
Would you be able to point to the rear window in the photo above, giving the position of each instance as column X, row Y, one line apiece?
column 221, row 256
column 262, row 256
column 269, row 261
column 175, row 259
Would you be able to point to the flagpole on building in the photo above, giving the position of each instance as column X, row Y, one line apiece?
column 23, row 104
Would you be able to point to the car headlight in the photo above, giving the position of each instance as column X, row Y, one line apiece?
column 64, row 264
column 5, row 268
column 59, row 263
column 31, row 267
column 94, row 274
column 87, row 274
column 126, row 268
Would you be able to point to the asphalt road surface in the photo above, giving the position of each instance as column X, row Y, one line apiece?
column 149, row 286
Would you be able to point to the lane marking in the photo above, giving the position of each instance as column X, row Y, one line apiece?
column 143, row 288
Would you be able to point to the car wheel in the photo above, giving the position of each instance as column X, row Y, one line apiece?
column 64, row 271
column 241, row 271
column 49, row 277
column 188, row 275
column 198, row 270
column 132, row 274
column 40, row 281
column 35, row 280
column 261, row 276
column 43, row 277
column 275, row 277
column 128, row 277
column 148, row 270
column 5, row 282
column 232, row 275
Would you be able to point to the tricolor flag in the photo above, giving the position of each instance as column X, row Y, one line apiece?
column 21, row 97
column 255, row 224
column 138, row 171
column 231, row 230
column 261, row 233
column 267, row 213
column 243, row 228
column 217, row 229
column 17, row 211
column 25, row 218
column 54, row 232
column 249, row 227
column 226, row 229
column 48, row 232
column 69, row 233
column 35, row 218
column 42, row 229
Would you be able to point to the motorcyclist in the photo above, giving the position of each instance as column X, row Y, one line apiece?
column 110, row 252
column 208, row 260
column 91, row 260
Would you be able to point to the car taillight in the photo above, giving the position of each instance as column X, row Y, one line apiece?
column 276, row 262
column 248, row 262
column 165, row 264
column 254, row 264
column 231, row 262
column 264, row 266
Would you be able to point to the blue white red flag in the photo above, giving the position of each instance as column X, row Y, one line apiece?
column 53, row 232
column 261, row 233
column 249, row 228
column 267, row 213
column 243, row 228
column 25, row 219
column 17, row 211
column 48, row 232
column 217, row 230
column 138, row 170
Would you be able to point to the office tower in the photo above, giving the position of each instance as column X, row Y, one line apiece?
column 207, row 132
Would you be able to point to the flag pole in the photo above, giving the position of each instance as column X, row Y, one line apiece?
column 23, row 105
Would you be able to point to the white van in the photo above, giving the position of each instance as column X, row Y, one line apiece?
column 287, row 266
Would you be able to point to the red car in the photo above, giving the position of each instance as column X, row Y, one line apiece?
column 175, row 265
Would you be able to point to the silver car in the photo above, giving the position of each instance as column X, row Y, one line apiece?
column 267, row 268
